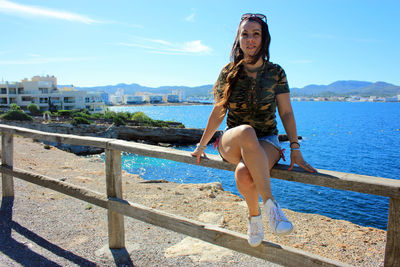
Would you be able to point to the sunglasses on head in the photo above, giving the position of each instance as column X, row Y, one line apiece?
column 251, row 15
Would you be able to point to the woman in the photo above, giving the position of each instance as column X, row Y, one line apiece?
column 250, row 88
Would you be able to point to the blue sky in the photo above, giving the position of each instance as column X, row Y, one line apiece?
column 187, row 42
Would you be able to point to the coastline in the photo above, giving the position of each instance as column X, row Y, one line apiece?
column 85, row 233
column 165, row 104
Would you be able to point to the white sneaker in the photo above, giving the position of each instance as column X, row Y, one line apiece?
column 278, row 222
column 255, row 232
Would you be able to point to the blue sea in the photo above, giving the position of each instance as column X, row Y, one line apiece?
column 353, row 137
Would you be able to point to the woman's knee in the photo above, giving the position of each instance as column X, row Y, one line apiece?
column 247, row 134
column 243, row 177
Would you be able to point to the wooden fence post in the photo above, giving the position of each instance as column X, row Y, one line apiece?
column 392, row 251
column 116, row 231
column 7, row 150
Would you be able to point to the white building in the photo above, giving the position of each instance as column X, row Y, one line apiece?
column 173, row 98
column 392, row 99
column 156, row 99
column 134, row 99
column 180, row 94
column 94, row 102
column 116, row 100
column 43, row 91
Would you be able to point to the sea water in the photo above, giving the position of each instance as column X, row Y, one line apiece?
column 353, row 137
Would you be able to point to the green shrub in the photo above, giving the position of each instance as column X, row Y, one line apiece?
column 125, row 115
column 97, row 116
column 16, row 115
column 79, row 120
column 80, row 114
column 65, row 113
column 84, row 110
column 141, row 117
column 119, row 120
column 14, row 106
column 110, row 114
column 34, row 109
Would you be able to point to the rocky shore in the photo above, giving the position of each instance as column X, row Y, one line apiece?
column 50, row 229
column 150, row 135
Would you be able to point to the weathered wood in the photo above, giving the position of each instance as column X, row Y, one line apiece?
column 55, row 137
column 81, row 193
column 7, row 154
column 338, row 180
column 345, row 181
column 219, row 236
column 392, row 251
column 116, row 230
column 213, row 161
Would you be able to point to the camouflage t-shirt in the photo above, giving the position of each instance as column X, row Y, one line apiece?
column 253, row 100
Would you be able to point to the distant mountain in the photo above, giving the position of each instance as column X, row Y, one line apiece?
column 347, row 88
column 338, row 88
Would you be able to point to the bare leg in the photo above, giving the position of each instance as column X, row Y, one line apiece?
column 241, row 144
column 245, row 183
column 247, row 188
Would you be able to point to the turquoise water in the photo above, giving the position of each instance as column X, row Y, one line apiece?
column 352, row 137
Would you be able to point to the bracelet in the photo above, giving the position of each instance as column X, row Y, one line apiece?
column 291, row 143
column 292, row 149
column 200, row 147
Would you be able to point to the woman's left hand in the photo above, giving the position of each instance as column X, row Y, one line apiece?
column 296, row 157
column 198, row 153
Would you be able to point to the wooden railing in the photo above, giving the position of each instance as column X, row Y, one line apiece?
column 118, row 208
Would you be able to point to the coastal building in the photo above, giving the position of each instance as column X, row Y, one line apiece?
column 180, row 94
column 105, row 97
column 94, row 102
column 116, row 100
column 154, row 99
column 133, row 99
column 173, row 98
column 392, row 99
column 43, row 91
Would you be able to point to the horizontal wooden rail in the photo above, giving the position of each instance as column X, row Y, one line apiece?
column 69, row 189
column 55, row 137
column 337, row 180
column 279, row 254
column 219, row 236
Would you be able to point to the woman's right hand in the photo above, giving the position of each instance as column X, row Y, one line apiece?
column 198, row 153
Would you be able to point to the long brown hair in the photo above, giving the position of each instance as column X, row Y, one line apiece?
column 237, row 58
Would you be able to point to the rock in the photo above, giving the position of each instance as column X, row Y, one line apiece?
column 152, row 135
column 197, row 251
column 212, row 218
column 214, row 187
column 162, row 136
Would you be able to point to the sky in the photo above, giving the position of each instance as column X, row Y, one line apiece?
column 187, row 42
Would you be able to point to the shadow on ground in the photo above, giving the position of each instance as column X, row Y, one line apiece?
column 22, row 254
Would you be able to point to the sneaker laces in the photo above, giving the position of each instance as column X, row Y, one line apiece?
column 277, row 215
column 253, row 229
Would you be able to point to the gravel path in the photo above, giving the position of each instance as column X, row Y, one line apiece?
column 46, row 228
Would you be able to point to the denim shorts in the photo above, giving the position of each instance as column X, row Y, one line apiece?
column 272, row 139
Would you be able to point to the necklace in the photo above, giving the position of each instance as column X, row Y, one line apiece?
column 255, row 69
